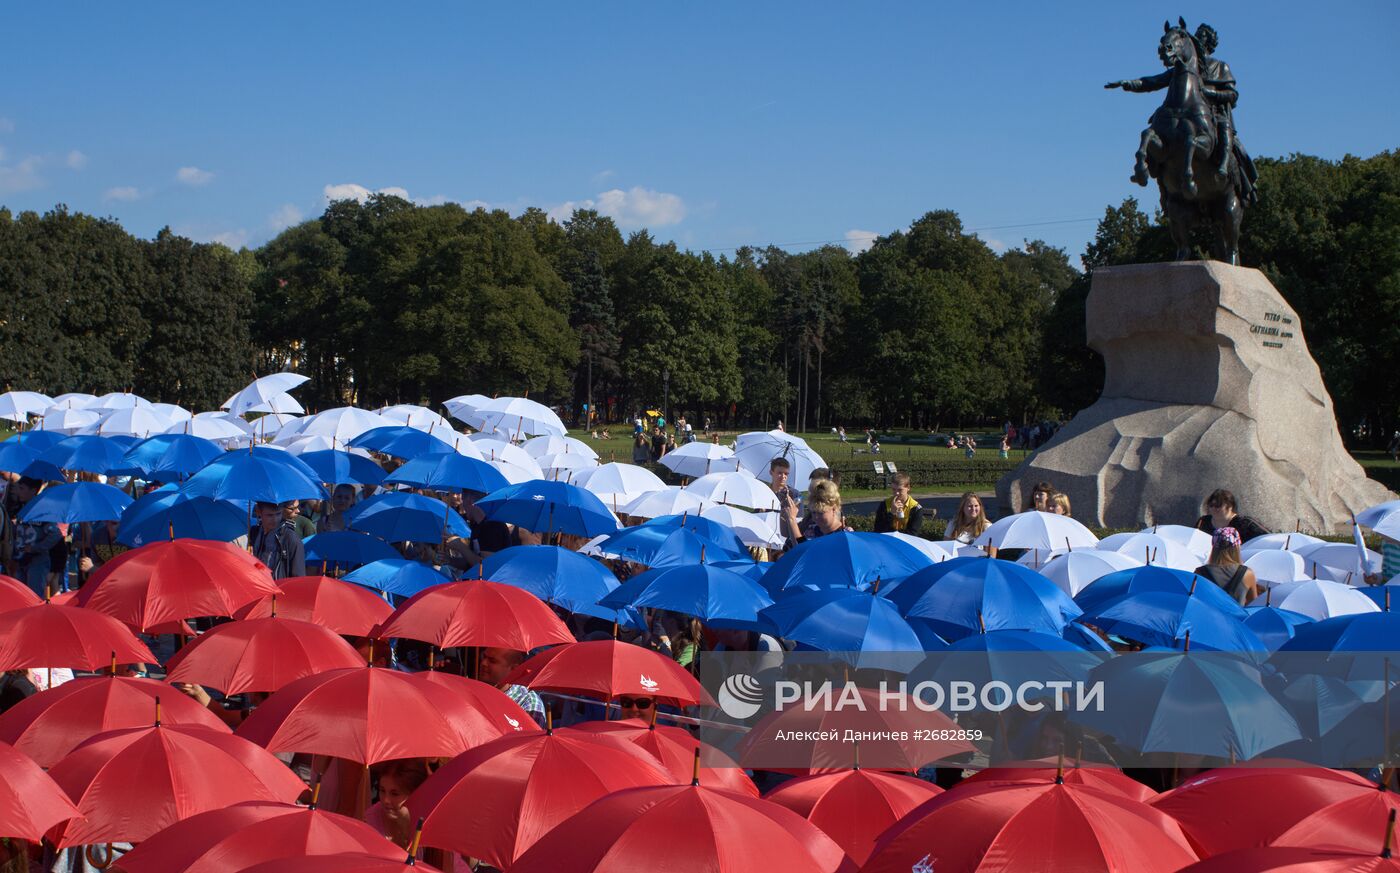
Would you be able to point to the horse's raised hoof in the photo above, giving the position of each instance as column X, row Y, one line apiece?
column 1140, row 177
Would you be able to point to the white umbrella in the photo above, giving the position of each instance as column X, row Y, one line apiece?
column 121, row 400
column 1276, row 566
column 752, row 528
column 700, row 459
column 1197, row 542
column 549, row 444
column 265, row 426
column 1073, row 571
column 756, row 451
column 279, row 403
column 459, row 442
column 495, row 450
column 19, row 405
column 738, row 488
column 211, row 427
column 1317, row 598
column 518, row 415
column 669, row 500
column 302, row 445
column 74, row 400
column 343, row 423
column 1372, row 515
column 615, row 478
column 68, row 421
column 488, row 436
column 1151, row 549
column 261, row 390
column 417, row 417
column 464, row 408
column 563, row 466
column 1337, row 561
column 516, row 473
column 172, row 411
column 134, row 421
column 1289, row 541
column 1038, row 531
column 937, row 552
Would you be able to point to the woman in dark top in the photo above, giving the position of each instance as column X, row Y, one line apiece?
column 1226, row 570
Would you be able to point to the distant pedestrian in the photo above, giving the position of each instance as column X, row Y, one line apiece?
column 275, row 542
column 659, row 444
column 641, row 448
column 970, row 521
column 1040, row 497
column 900, row 512
column 1221, row 511
column 1227, row 570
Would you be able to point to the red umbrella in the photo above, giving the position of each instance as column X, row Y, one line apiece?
column 168, row 581
column 769, row 745
column 683, row 829
column 853, row 807
column 48, row 725
column 1102, row 778
column 1351, row 823
column 608, row 668
column 343, row 607
column 14, row 594
column 66, row 636
column 1242, row 807
column 30, row 802
column 1000, row 827
column 1296, row 860
column 249, row 833
column 129, row 784
column 260, row 654
column 476, row 613
column 343, row 863
column 494, row 801
column 362, row 714
column 675, row 749
column 483, row 712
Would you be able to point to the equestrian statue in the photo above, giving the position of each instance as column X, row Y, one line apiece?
column 1190, row 146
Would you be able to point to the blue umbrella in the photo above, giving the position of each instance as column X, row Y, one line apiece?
column 256, row 474
column 16, row 456
column 1354, row 646
column 401, row 441
column 1319, row 703
column 1154, row 578
column 1011, row 656
column 626, row 617
column 396, row 576
column 706, row 527
column 845, row 560
column 553, row 574
column 1189, row 703
column 663, row 547
column 89, row 454
column 747, row 568
column 538, row 505
column 347, row 548
column 166, row 511
column 1172, row 619
column 170, row 456
column 717, row 597
column 841, row 620
column 1274, row 626
column 1385, row 596
column 1085, row 639
column 38, row 440
column 448, row 471
column 402, row 516
column 78, row 502
column 967, row 595
column 335, row 467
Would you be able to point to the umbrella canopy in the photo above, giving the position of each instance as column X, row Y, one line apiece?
column 619, row 479
column 1196, row 541
column 494, row 801
column 1357, row 633
column 279, row 404
column 48, row 725
column 518, row 416
column 248, row 833
column 85, row 454
column 1318, row 599
column 1014, row 657
column 260, row 654
column 16, row 455
column 842, row 620
column 476, row 613
column 347, row 548
column 136, row 422
column 605, row 669
column 694, row 460
column 332, row 603
column 361, row 714
column 1038, row 531
column 30, row 802
column 480, row 712
column 218, row 427
column 1174, row 620
column 661, row 546
column 756, row 451
column 1175, row 702
column 967, row 595
column 707, row 528
column 550, row 444
column 14, row 594
column 1139, row 580
column 402, row 441
column 19, row 405
column 551, row 573
column 1153, row 549
column 419, row 417
column 671, row 500
column 1109, row 779
column 683, row 829
column 1276, row 566
column 68, row 421
column 132, row 783
column 342, row 862
column 336, row 467
column 548, row 507
column 1072, row 572
column 1274, row 626
column 760, row 528
column 402, row 516
column 49, row 635
column 76, row 502
column 168, row 513
column 853, row 807
column 674, row 748
column 261, row 390
column 74, row 400
column 268, row 426
column 1020, row 826
column 717, row 597
column 256, row 474
column 172, row 456
column 936, row 552
column 344, row 423
column 120, row 400
column 448, row 471
column 397, row 576
column 845, row 560
column 1285, row 859
column 169, row 581
column 465, row 405
column 738, row 488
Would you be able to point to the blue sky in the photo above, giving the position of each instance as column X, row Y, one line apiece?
column 713, row 124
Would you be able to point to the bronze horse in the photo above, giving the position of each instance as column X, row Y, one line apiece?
column 1178, row 148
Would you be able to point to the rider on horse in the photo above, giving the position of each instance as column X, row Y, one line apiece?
column 1220, row 82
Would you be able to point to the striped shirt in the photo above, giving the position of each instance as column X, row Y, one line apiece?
column 527, row 700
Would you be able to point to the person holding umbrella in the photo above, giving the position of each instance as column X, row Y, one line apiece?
column 275, row 542
column 33, row 540
column 494, row 664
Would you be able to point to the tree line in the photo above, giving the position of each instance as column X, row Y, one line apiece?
column 387, row 301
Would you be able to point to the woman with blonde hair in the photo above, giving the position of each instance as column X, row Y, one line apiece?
column 970, row 521
column 823, row 513
column 1059, row 503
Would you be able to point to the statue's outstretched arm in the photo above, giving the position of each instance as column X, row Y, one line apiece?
column 1149, row 83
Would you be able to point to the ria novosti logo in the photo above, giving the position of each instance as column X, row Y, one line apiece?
column 741, row 696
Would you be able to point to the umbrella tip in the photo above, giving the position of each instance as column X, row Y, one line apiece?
column 315, row 792
column 1060, row 768
column 413, row 848
column 157, row 710
column 695, row 771
column 549, row 722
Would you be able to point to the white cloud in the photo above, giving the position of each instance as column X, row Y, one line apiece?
column 635, row 207
column 122, row 192
column 603, row 176
column 284, row 216
column 193, row 176
column 75, row 160
column 23, row 176
column 860, row 240
column 352, row 191
column 234, row 239
column 6, row 125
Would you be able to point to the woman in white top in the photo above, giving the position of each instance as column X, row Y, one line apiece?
column 970, row 521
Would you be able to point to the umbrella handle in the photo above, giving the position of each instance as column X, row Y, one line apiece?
column 95, row 858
